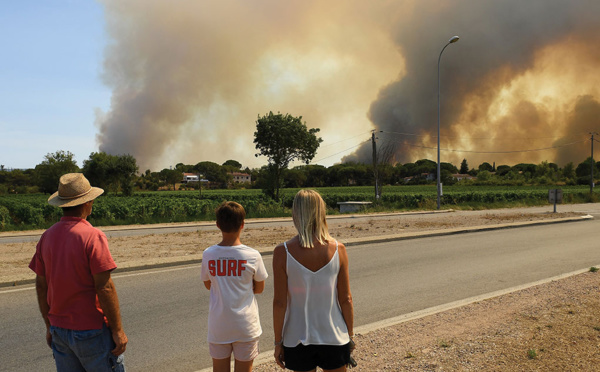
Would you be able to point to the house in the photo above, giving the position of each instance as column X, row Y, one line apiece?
column 429, row 176
column 190, row 177
column 241, row 177
column 459, row 177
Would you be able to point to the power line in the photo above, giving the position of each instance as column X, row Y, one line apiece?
column 358, row 135
column 327, row 157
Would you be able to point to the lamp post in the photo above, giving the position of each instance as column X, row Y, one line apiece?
column 454, row 39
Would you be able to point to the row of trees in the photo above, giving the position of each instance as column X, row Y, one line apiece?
column 118, row 174
column 282, row 139
column 113, row 173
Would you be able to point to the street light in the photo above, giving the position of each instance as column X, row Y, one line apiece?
column 454, row 39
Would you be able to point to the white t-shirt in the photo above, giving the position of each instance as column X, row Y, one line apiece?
column 233, row 312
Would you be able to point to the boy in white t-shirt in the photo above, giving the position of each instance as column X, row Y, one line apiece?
column 233, row 272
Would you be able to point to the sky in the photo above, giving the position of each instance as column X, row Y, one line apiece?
column 50, row 79
column 184, row 81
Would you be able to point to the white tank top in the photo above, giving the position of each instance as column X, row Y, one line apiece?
column 313, row 315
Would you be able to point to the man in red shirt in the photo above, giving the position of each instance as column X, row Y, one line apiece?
column 76, row 295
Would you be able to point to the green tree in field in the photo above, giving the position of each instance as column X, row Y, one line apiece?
column 111, row 172
column 502, row 170
column 546, row 173
column 316, row 175
column 449, row 167
column 213, row 172
column 17, row 181
column 233, row 163
column 484, row 176
column 54, row 165
column 464, row 167
column 294, row 178
column 485, row 166
column 583, row 171
column 171, row 176
column 424, row 166
column 568, row 173
column 283, row 139
column 184, row 168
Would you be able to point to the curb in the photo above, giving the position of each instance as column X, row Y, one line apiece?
column 352, row 242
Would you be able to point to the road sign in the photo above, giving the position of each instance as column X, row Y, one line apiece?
column 555, row 196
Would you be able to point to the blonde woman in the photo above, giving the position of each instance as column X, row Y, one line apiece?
column 313, row 313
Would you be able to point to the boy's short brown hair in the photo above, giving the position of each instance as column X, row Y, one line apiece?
column 230, row 216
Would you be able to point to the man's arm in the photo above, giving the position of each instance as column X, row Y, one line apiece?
column 207, row 284
column 41, row 288
column 109, row 302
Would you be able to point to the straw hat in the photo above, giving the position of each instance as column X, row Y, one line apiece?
column 73, row 189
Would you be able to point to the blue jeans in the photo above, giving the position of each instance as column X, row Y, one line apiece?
column 85, row 351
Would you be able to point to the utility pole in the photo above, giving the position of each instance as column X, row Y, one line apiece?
column 375, row 173
column 592, row 164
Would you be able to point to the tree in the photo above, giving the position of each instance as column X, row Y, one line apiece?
column 451, row 168
column 485, row 166
column 233, row 163
column 125, row 170
column 184, row 168
column 425, row 166
column 584, row 171
column 213, row 172
column 111, row 172
column 294, row 178
column 282, row 139
column 525, row 168
column 316, row 175
column 56, row 164
column 464, row 167
column 568, row 172
column 502, row 170
column 484, row 175
column 171, row 176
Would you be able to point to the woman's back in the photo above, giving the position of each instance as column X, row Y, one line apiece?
column 312, row 258
column 312, row 304
column 314, row 316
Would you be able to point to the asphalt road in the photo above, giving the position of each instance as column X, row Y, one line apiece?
column 165, row 310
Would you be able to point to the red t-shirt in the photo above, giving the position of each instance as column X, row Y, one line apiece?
column 68, row 255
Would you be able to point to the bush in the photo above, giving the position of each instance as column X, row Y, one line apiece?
column 5, row 219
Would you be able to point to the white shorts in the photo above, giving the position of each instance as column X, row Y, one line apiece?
column 242, row 351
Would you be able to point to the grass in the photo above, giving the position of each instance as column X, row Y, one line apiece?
column 444, row 344
column 532, row 354
column 593, row 269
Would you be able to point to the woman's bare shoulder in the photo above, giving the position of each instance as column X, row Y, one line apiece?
column 281, row 246
column 337, row 243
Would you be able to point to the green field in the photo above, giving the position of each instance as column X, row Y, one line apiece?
column 31, row 211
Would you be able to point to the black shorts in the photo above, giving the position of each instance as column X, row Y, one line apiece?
column 308, row 357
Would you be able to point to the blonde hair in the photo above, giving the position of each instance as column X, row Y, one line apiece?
column 309, row 215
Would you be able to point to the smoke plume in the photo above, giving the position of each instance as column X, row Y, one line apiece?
column 189, row 78
column 511, row 88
